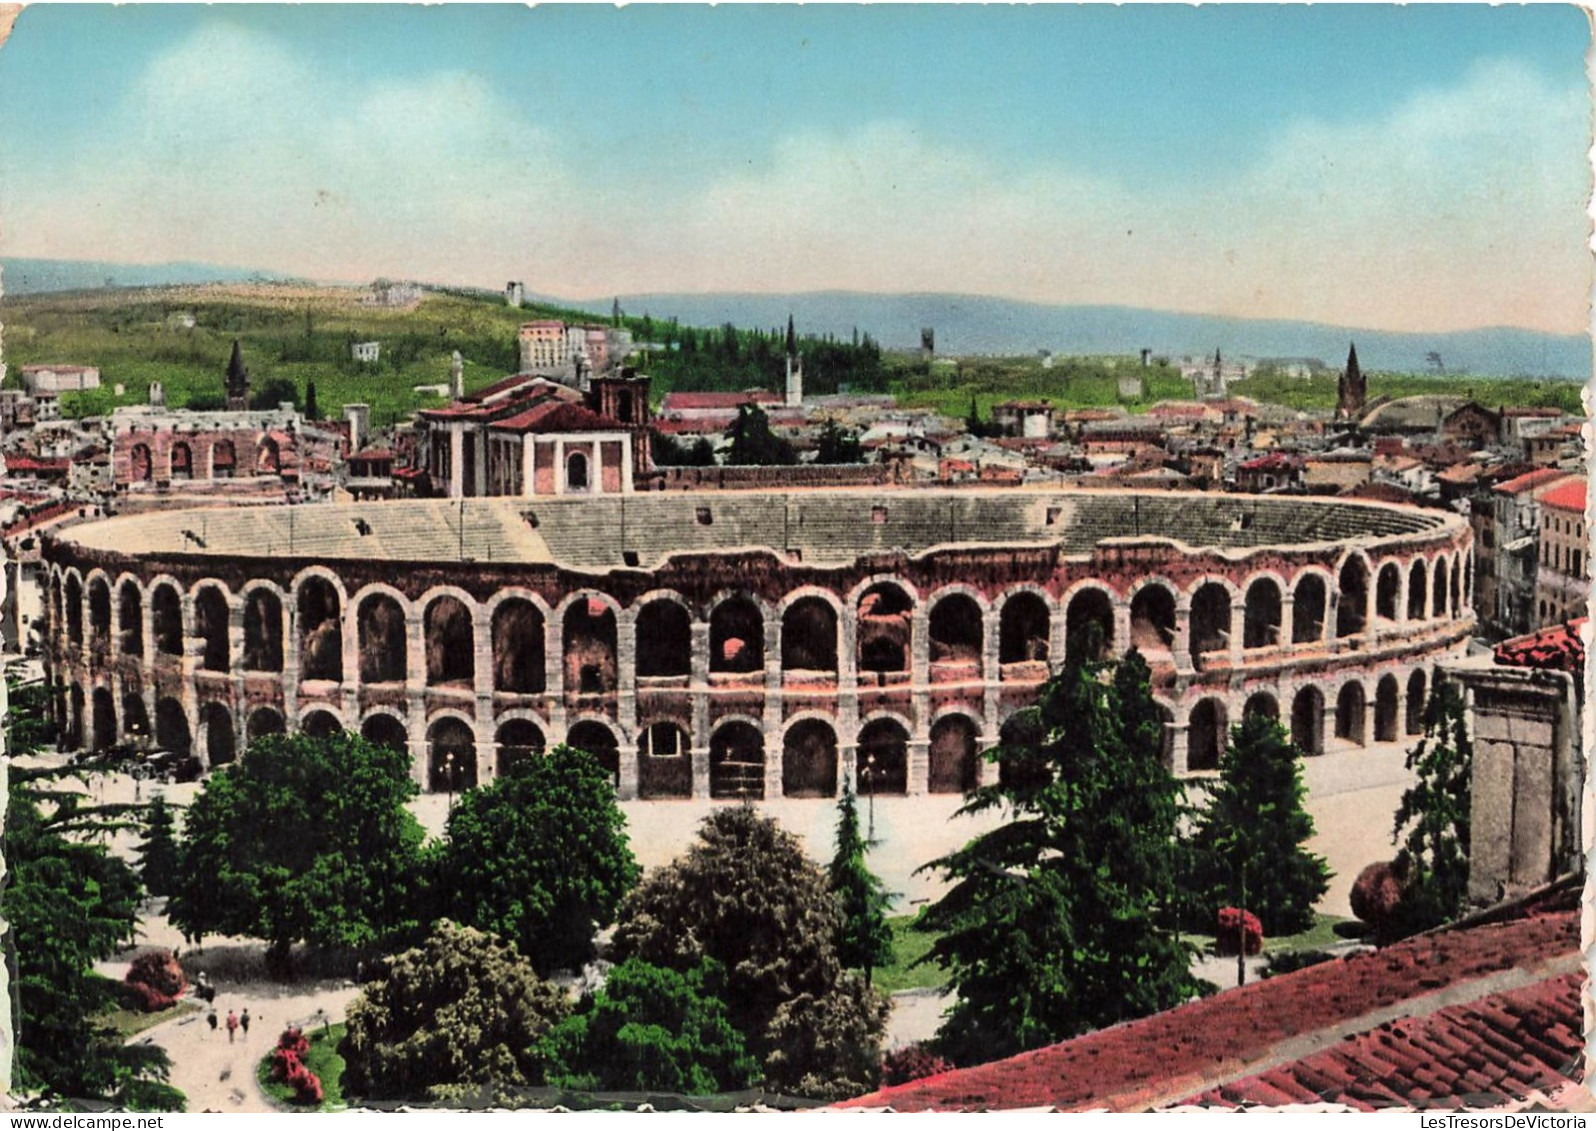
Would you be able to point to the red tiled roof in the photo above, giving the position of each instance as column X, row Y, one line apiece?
column 373, row 453
column 557, row 416
column 32, row 463
column 1566, row 497
column 684, row 402
column 1482, row 1054
column 1560, row 647
column 1529, row 481
column 1156, row 1060
column 1274, row 461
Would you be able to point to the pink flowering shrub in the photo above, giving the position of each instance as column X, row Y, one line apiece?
column 1233, row 920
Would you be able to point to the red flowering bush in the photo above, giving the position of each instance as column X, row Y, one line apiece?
column 911, row 1062
column 1233, row 920
column 288, row 1066
column 156, row 979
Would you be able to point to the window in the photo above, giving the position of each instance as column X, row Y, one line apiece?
column 705, row 518
column 576, row 472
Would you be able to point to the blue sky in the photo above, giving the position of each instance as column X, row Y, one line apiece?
column 1419, row 167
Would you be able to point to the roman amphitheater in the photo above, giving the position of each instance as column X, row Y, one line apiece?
column 751, row 645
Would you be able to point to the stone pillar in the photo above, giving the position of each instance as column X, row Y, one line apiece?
column 1238, row 630
column 626, row 700
column 1527, row 779
column 416, row 736
column 235, row 652
column 1288, row 620
column 348, row 697
column 1179, row 749
column 456, row 462
column 554, row 672
column 847, row 720
column 772, row 717
column 528, row 466
column 919, row 758
column 1181, row 647
column 991, row 666
column 701, row 692
column 1122, row 628
column 193, row 657
column 482, row 690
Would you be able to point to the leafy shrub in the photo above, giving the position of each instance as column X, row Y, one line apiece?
column 911, row 1062
column 156, row 980
column 1233, row 920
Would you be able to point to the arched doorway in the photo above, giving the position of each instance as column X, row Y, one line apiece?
column 380, row 629
column 1153, row 620
column 211, row 626
column 518, row 741
column 885, row 629
column 385, row 730
column 809, row 637
column 1309, row 602
column 104, row 719
column 589, row 644
column 450, row 648
column 1416, row 702
column 321, row 634
column 171, row 728
column 1205, row 735
column 737, row 762
column 953, row 755
column 1307, row 721
column 1210, row 622
column 518, row 648
column 1089, row 624
column 1261, row 703
column 1262, row 615
column 221, row 742
column 1352, row 602
column 263, row 721
column 1386, row 709
column 664, row 762
column 600, row 741
column 883, row 759
column 664, row 640
column 1350, row 704
column 1025, row 630
column 263, row 631
column 451, row 756
column 956, row 637
column 736, row 637
column 321, row 724
column 809, row 760
column 130, row 618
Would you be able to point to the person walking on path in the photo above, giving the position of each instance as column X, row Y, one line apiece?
column 232, row 1025
column 211, row 1019
column 243, row 1021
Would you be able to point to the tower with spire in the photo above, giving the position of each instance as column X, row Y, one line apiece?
column 795, row 369
column 237, row 381
column 1353, row 389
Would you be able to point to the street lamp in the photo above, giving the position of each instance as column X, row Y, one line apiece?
column 867, row 776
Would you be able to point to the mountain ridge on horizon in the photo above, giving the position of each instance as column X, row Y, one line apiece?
column 967, row 324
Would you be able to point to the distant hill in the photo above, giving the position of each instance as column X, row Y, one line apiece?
column 973, row 324
column 40, row 276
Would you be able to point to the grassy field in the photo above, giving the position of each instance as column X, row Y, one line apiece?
column 131, row 1022
column 324, row 1061
column 1327, row 931
column 908, row 945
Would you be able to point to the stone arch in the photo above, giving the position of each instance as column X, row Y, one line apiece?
column 381, row 638
column 76, row 709
column 268, row 457
column 1262, row 703
column 1088, row 615
column 1210, row 619
column 1418, row 590
column 1352, row 597
column 809, row 635
column 99, row 610
column 664, row 634
column 182, row 461
column 1387, row 709
column 320, row 604
column 166, row 619
column 1466, row 599
column 171, row 727
column 809, row 759
column 886, row 628
column 263, row 721
column 664, row 762
column 1152, row 613
column 954, row 628
column 1262, row 615
column 736, row 636
column 130, row 617
column 1025, row 629
column 451, row 755
column 1413, row 722
column 1388, row 591
column 320, row 723
column 883, row 757
column 263, row 629
column 517, row 740
column 518, row 630
column 141, row 465
column 1457, row 581
column 1438, row 601
column 954, row 754
column 211, row 622
column 104, row 729
column 1307, row 720
column 737, row 761
column 383, row 729
column 73, row 596
column 576, row 472
column 224, row 459
column 1310, row 606
column 221, row 740
column 588, row 634
column 135, row 718
column 1205, row 734
column 1351, row 704
column 450, row 642
column 596, row 737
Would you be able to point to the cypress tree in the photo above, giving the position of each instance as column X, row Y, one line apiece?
column 865, row 940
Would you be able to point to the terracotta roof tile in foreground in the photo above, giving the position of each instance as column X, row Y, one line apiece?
column 1265, row 1030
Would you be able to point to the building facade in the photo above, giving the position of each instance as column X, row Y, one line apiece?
column 1562, row 577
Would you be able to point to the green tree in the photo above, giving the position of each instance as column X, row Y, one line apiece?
column 68, row 903
column 1432, row 822
column 158, row 854
column 1247, row 849
column 838, row 446
column 273, row 392
column 865, row 941
column 302, row 840
column 540, row 857
column 651, row 1029
column 1059, row 920
column 746, row 896
column 753, row 443
column 312, row 409
column 464, row 1008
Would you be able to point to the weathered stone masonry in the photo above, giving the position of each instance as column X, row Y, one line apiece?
column 756, row 645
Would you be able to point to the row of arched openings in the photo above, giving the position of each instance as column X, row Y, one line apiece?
column 181, row 460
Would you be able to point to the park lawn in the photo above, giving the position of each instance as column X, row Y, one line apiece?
column 1321, row 935
column 323, row 1060
column 128, row 1023
column 908, row 945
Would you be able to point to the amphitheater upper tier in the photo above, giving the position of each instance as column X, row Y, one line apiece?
column 746, row 644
